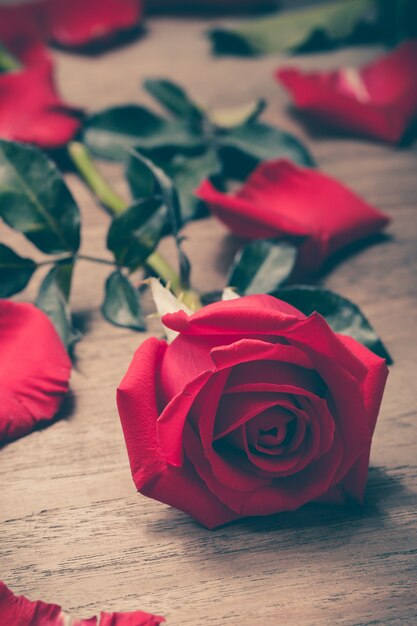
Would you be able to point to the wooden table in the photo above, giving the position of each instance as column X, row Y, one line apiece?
column 75, row 532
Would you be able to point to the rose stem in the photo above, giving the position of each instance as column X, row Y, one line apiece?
column 116, row 205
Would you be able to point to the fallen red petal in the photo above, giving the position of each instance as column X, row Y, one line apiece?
column 281, row 199
column 81, row 22
column 379, row 100
column 19, row 611
column 34, row 370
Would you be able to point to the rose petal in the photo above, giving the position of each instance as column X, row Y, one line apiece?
column 170, row 424
column 283, row 494
column 286, row 200
column 20, row 611
column 178, row 487
column 277, row 372
column 43, row 119
column 80, row 22
column 34, row 369
column 378, row 100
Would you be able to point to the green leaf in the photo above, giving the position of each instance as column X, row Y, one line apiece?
column 53, row 299
column 15, row 272
column 111, row 133
column 170, row 200
column 244, row 147
column 121, row 303
column 342, row 315
column 187, row 170
column 262, row 266
column 35, row 200
column 237, row 116
column 135, row 233
column 290, row 30
column 174, row 98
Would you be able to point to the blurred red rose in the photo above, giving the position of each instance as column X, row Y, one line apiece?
column 19, row 611
column 253, row 409
column 281, row 199
column 34, row 370
column 378, row 100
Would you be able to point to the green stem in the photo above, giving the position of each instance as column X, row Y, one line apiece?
column 98, row 185
column 116, row 205
column 8, row 63
column 94, row 259
column 164, row 270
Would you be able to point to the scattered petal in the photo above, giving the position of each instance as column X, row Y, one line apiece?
column 34, row 370
column 20, row 611
column 281, row 199
column 379, row 100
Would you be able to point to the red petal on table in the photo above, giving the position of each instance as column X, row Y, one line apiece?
column 378, row 100
column 281, row 199
column 19, row 611
column 34, row 370
column 30, row 108
column 76, row 23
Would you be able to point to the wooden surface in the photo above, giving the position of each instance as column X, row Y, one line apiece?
column 73, row 529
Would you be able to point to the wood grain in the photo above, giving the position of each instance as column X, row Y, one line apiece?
column 73, row 529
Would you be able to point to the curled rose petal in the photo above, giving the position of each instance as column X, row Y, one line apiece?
column 281, row 199
column 80, row 22
column 253, row 409
column 20, row 611
column 34, row 369
column 379, row 100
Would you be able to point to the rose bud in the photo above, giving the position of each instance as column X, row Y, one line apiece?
column 19, row 611
column 281, row 199
column 379, row 100
column 34, row 370
column 252, row 409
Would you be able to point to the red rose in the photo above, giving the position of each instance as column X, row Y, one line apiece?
column 281, row 199
column 34, row 370
column 251, row 410
column 19, row 611
column 379, row 100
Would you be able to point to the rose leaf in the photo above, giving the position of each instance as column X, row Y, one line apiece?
column 170, row 200
column 262, row 266
column 121, row 305
column 242, row 148
column 15, row 271
column 112, row 132
column 135, row 233
column 342, row 315
column 35, row 200
column 53, row 299
column 187, row 170
column 291, row 30
column 174, row 98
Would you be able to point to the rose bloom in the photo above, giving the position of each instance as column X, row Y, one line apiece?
column 253, row 409
column 20, row 611
column 283, row 200
column 379, row 100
